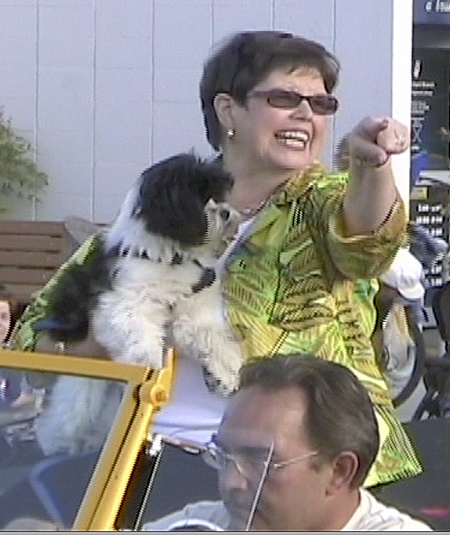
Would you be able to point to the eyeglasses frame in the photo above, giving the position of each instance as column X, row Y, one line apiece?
column 268, row 93
column 267, row 465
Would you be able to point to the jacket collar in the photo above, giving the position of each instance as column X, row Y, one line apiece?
column 287, row 194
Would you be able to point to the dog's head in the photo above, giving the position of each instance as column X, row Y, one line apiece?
column 181, row 199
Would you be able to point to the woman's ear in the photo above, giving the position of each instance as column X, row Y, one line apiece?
column 345, row 467
column 223, row 106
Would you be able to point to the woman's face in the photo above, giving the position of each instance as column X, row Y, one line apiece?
column 270, row 139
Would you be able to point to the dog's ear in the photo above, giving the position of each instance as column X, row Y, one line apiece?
column 173, row 195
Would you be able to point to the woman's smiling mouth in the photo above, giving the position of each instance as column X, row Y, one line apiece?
column 297, row 139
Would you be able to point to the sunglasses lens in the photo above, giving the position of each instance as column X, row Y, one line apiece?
column 283, row 99
column 320, row 104
column 324, row 104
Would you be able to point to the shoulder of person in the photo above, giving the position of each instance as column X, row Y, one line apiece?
column 377, row 516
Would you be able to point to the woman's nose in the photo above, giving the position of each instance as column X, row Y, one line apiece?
column 303, row 110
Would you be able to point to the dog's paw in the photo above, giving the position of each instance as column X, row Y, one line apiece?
column 224, row 387
column 223, row 365
column 143, row 354
column 214, row 346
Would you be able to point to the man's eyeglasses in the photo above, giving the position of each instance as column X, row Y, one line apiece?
column 249, row 463
column 289, row 100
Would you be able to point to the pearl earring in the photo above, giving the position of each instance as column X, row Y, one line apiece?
column 231, row 132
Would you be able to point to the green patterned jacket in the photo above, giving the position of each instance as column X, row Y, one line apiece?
column 297, row 284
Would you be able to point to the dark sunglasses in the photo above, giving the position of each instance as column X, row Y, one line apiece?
column 289, row 100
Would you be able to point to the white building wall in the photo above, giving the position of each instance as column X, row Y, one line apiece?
column 103, row 88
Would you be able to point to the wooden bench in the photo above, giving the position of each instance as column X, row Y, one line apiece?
column 30, row 253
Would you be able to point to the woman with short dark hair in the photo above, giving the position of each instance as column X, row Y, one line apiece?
column 300, row 275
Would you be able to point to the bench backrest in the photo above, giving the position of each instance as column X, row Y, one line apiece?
column 30, row 253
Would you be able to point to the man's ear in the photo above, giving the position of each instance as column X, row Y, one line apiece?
column 223, row 105
column 344, row 469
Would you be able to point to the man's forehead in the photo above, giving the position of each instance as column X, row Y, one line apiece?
column 262, row 417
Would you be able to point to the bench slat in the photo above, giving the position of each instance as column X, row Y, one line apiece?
column 32, row 259
column 30, row 275
column 30, row 253
column 30, row 243
column 46, row 228
column 24, row 292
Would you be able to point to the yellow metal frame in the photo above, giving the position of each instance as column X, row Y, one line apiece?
column 146, row 392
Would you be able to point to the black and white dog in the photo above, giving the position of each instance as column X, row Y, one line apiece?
column 151, row 283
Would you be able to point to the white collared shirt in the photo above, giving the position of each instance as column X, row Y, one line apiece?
column 371, row 515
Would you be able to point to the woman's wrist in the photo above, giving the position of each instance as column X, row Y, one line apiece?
column 370, row 164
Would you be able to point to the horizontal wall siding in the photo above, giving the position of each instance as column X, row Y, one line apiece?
column 103, row 88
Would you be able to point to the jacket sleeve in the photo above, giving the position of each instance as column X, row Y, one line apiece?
column 354, row 257
column 24, row 337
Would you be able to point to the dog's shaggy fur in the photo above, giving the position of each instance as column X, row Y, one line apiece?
column 150, row 284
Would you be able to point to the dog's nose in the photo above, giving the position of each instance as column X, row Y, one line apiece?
column 225, row 214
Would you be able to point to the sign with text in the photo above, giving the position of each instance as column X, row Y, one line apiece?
column 429, row 110
column 431, row 12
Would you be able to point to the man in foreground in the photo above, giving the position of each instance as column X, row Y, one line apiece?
column 292, row 451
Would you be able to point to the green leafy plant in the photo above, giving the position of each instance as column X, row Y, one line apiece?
column 19, row 173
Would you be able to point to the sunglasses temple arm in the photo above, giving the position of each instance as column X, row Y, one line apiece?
column 259, row 488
